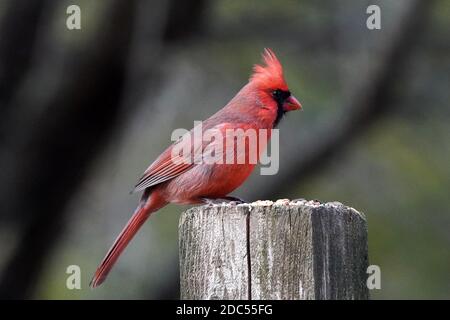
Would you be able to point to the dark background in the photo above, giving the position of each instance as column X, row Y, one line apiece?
column 84, row 112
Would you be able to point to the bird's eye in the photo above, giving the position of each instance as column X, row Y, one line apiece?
column 277, row 94
column 280, row 95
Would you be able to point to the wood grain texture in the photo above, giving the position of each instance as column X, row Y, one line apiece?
column 213, row 253
column 297, row 250
column 281, row 252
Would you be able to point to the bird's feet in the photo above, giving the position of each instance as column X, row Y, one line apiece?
column 230, row 200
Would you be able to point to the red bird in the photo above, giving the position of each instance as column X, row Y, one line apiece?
column 260, row 104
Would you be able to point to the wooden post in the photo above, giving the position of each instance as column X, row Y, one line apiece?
column 273, row 250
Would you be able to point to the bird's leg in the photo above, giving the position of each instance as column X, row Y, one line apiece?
column 209, row 201
column 222, row 200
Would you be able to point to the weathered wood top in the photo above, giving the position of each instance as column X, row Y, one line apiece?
column 273, row 250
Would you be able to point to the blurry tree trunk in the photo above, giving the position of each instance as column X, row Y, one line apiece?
column 54, row 151
column 18, row 30
column 186, row 19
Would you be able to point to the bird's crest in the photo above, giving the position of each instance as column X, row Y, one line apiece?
column 271, row 74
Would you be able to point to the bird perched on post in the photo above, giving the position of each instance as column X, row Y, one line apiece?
column 258, row 106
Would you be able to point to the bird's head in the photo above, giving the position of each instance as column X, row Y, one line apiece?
column 271, row 86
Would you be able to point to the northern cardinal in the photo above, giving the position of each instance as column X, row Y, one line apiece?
column 260, row 104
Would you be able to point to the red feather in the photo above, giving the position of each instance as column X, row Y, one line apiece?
column 270, row 75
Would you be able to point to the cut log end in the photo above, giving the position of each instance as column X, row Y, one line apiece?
column 273, row 250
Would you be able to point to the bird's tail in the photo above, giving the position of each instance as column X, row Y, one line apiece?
column 148, row 205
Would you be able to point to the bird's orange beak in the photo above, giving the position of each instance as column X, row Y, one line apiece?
column 291, row 103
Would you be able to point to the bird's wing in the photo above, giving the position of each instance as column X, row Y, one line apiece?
column 172, row 163
column 168, row 165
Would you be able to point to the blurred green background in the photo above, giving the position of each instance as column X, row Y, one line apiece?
column 176, row 62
